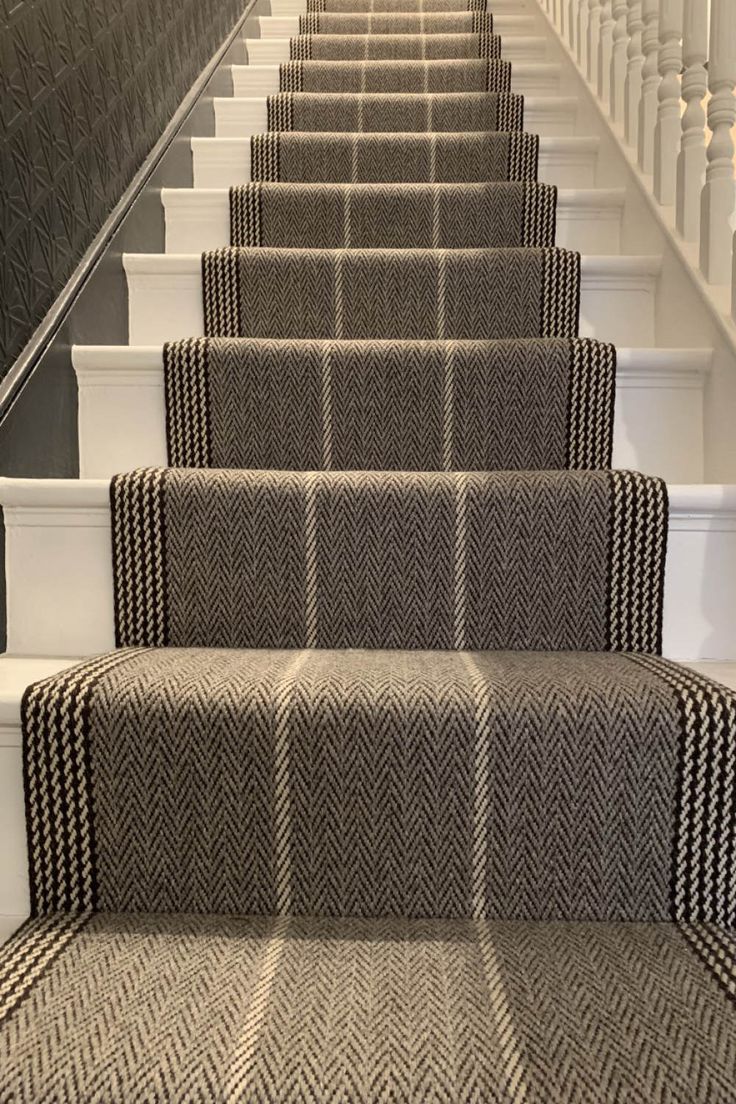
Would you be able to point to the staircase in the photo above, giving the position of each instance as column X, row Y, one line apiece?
column 353, row 768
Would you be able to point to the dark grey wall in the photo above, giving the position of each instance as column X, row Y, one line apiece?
column 86, row 88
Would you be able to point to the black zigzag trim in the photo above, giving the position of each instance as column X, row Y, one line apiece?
column 523, row 162
column 221, row 293
column 489, row 46
column 300, row 48
column 291, row 76
column 638, row 544
column 30, row 953
column 510, row 112
column 540, row 215
column 264, row 156
column 560, row 307
column 137, row 505
column 246, row 202
column 498, row 75
column 716, row 949
column 280, row 111
column 591, row 404
column 187, row 397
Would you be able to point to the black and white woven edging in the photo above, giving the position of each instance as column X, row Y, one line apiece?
column 482, row 23
column 498, row 75
column 139, row 544
column 28, row 955
column 638, row 544
column 560, row 308
column 540, row 215
column 291, row 76
column 280, row 111
column 187, row 396
column 716, row 949
column 246, row 210
column 591, row 404
column 703, row 876
column 523, row 156
column 300, row 48
column 321, row 5
column 58, row 786
column 510, row 112
column 221, row 293
column 264, row 157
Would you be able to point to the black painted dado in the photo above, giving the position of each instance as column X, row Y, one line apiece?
column 86, row 88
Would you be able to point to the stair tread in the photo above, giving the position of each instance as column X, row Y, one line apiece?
column 348, row 1009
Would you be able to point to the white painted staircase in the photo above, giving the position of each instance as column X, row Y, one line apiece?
column 58, row 555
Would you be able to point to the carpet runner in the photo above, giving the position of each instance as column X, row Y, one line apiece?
column 380, row 405
column 386, row 793
column 477, row 157
column 391, row 293
column 454, row 75
column 393, row 216
column 373, row 112
column 397, row 47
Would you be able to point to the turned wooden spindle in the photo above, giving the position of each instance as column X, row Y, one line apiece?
column 718, row 194
column 619, row 50
column 634, row 64
column 649, row 84
column 581, row 35
column 605, row 51
column 593, row 40
column 667, row 131
column 692, row 160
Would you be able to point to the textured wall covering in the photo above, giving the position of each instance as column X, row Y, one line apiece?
column 86, row 87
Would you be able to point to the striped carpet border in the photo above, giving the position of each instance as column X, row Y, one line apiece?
column 29, row 954
column 703, row 877
column 591, row 404
column 139, row 554
column 716, row 949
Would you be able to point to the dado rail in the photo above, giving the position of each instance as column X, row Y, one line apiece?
column 666, row 72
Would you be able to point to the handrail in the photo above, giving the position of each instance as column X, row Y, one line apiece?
column 23, row 367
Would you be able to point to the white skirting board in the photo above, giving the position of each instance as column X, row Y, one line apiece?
column 240, row 117
column 165, row 298
column 658, row 425
column 59, row 569
column 566, row 162
column 588, row 220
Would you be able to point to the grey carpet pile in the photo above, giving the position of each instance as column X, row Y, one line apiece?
column 393, row 216
column 275, row 559
column 397, row 112
column 386, row 794
column 391, row 293
column 476, row 157
column 454, row 75
column 394, row 47
column 529, row 404
column 396, row 23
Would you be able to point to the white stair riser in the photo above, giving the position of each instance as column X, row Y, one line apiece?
column 14, row 899
column 165, row 298
column 658, row 426
column 553, row 116
column 197, row 220
column 60, row 591
column 504, row 24
column 516, row 48
column 528, row 79
column 225, row 162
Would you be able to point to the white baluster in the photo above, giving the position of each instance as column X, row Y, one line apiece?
column 718, row 194
column 572, row 23
column 582, row 35
column 618, row 59
column 649, row 84
column 635, row 61
column 594, row 38
column 691, row 162
column 605, row 49
column 667, row 133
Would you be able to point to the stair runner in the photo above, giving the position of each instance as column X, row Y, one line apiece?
column 386, row 793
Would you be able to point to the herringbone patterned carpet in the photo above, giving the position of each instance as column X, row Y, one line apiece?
column 386, row 794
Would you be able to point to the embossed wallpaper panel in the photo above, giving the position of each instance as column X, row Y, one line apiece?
column 86, row 88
